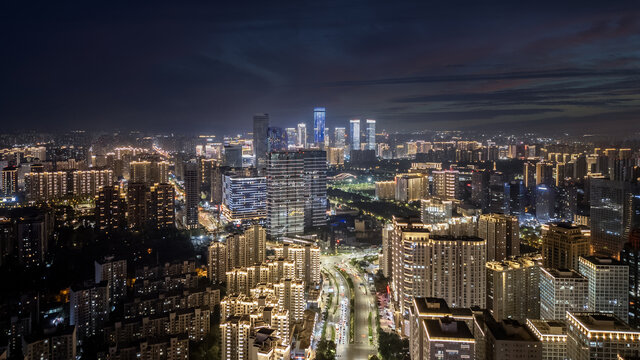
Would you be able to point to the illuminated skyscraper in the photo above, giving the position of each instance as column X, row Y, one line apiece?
column 593, row 335
column 260, row 128
column 630, row 256
column 513, row 290
column 445, row 184
column 318, row 125
column 502, row 235
column 276, row 139
column 191, row 194
column 354, row 133
column 327, row 138
column 562, row 246
column 426, row 265
column 608, row 285
column 243, row 198
column 138, row 196
column 292, row 137
column 302, row 135
column 370, row 134
column 285, row 194
column 339, row 134
column 315, row 183
column 562, row 291
column 9, row 180
column 218, row 259
column 110, row 209
column 162, row 206
column 614, row 213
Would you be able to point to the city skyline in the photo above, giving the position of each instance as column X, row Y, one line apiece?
column 359, row 180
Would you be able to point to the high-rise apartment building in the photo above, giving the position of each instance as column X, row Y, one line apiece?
column 608, row 285
column 435, row 211
column 513, row 290
column 51, row 185
column 370, row 135
column 260, row 134
column 110, row 209
column 235, row 332
column 9, row 180
column 354, row 134
column 445, row 184
column 248, row 248
column 138, row 197
column 162, row 206
column 290, row 296
column 191, row 195
column 502, row 235
column 410, row 187
column 32, row 239
column 385, row 190
column 562, row 246
column 562, row 291
column 335, row 156
column 306, row 261
column 544, row 173
column 89, row 308
column 217, row 262
column 426, row 265
column 319, row 115
column 114, row 272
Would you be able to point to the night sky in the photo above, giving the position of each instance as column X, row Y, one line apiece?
column 209, row 66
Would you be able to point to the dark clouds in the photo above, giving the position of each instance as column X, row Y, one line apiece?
column 208, row 66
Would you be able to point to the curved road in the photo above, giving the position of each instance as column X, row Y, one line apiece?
column 364, row 304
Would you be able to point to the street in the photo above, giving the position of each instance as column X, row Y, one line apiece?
column 364, row 305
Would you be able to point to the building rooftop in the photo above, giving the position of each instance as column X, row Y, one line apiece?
column 600, row 260
column 548, row 330
column 600, row 322
column 428, row 306
column 447, row 329
column 565, row 225
column 509, row 330
column 563, row 273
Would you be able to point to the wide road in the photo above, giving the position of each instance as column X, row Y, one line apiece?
column 361, row 348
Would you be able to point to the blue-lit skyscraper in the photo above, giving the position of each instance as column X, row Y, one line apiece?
column 244, row 197
column 318, row 125
column 354, row 133
column 370, row 134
